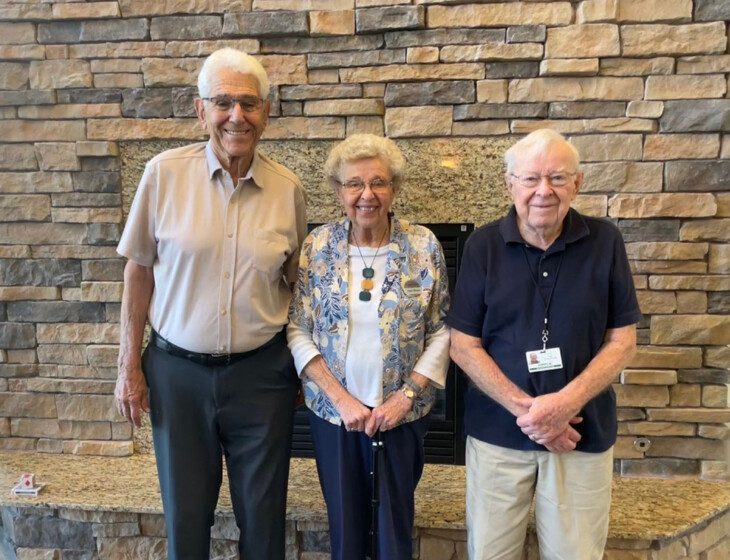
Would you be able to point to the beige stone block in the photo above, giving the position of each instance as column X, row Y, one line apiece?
column 583, row 126
column 480, row 128
column 656, row 302
column 21, row 356
column 104, row 355
column 698, row 282
column 719, row 261
column 681, row 205
column 74, row 252
column 686, row 448
column 305, row 128
column 373, row 90
column 38, row 554
column 691, row 302
column 641, row 282
column 57, row 156
column 622, row 176
column 583, row 40
column 25, row 11
column 152, row 525
column 72, row 354
column 96, row 516
column 371, row 3
column 102, row 291
column 681, row 146
column 118, row 80
column 714, row 416
column 597, row 10
column 723, row 200
column 132, row 49
column 403, row 122
column 27, row 405
column 76, row 111
column 18, row 444
column 15, row 251
column 717, row 357
column 75, row 333
column 591, row 205
column 130, row 547
column 36, row 182
column 569, row 67
column 713, row 431
column 75, row 386
column 23, row 52
column 636, row 66
column 690, row 329
column 105, row 448
column 606, row 147
column 96, row 149
column 666, row 357
column 87, row 10
column 709, row 64
column 116, row 65
column 491, row 51
column 624, row 449
column 436, row 549
column 332, row 22
column 34, row 427
column 104, row 530
column 684, row 394
column 648, row 40
column 344, row 107
column 492, row 91
column 324, row 76
column 643, row 250
column 575, row 89
column 42, row 232
column 17, row 33
column 121, row 430
column 59, row 74
column 87, row 215
column 641, row 395
column 655, row 10
column 32, row 131
column 144, row 129
column 668, row 267
column 14, row 75
column 170, row 71
column 21, row 207
column 16, row 293
column 18, row 157
column 87, row 408
column 412, row 72
column 645, row 109
column 715, row 396
column 688, row 86
column 71, row 294
column 204, row 48
column 302, row 4
column 422, row 55
column 706, row 230
column 365, row 125
column 496, row 15
column 715, row 471
column 708, row 537
column 660, row 429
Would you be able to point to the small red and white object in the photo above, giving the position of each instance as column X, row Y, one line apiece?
column 26, row 486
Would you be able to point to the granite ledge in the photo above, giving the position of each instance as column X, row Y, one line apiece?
column 643, row 509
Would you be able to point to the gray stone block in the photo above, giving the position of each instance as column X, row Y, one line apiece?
column 17, row 335
column 363, row 58
column 697, row 176
column 31, row 531
column 429, row 93
column 144, row 103
column 659, row 467
column 294, row 45
column 712, row 10
column 390, row 17
column 704, row 375
column 480, row 111
column 265, row 24
column 696, row 115
column 315, row 541
column 649, row 230
column 185, row 28
column 326, row 91
column 40, row 272
column 102, row 234
column 81, row 200
column 291, row 109
column 440, row 37
column 109, row 163
column 102, row 270
column 112, row 95
column 113, row 312
column 512, row 70
column 718, row 302
column 99, row 30
column 28, row 97
column 97, row 181
column 586, row 109
column 55, row 312
column 183, row 101
column 526, row 34
column 3, row 311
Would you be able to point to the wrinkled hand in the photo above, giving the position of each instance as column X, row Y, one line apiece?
column 548, row 416
column 564, row 442
column 354, row 414
column 131, row 395
column 389, row 414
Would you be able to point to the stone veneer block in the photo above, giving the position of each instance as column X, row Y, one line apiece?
column 708, row 64
column 76, row 333
column 106, row 448
column 185, row 28
column 500, row 111
column 304, row 92
column 569, row 67
column 645, row 109
column 87, row 408
column 686, row 448
column 409, row 72
column 656, row 302
column 641, row 395
column 90, row 10
column 91, row 31
column 526, row 34
column 176, row 49
column 575, row 89
column 706, row 230
column 265, row 24
column 360, row 58
column 636, row 66
column 58, row 74
column 655, row 10
column 597, row 10
column 344, row 107
column 690, row 329
column 491, row 51
column 332, row 22
column 586, row 109
column 15, row 75
column 57, row 156
column 582, row 126
column 679, row 146
column 687, row 86
column 719, row 261
column 495, row 15
column 298, row 45
column 480, row 128
column 17, row 33
column 23, row 52
column 170, row 71
column 422, row 55
column 493, row 91
column 649, row 377
column 19, row 157
column 666, row 250
column 74, row 111
column 404, row 122
column 365, row 125
column 117, row 50
column 607, row 147
column 580, row 41
column 440, row 37
column 388, row 18
column 706, row 10
column 703, row 115
column 139, row 129
column 661, row 205
column 622, row 176
column 652, row 40
column 697, row 176
column 430, row 93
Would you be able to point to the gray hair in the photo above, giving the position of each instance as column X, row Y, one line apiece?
column 235, row 60
column 538, row 142
column 365, row 146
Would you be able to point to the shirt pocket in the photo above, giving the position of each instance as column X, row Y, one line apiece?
column 269, row 252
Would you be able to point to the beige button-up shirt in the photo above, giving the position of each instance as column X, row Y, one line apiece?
column 223, row 255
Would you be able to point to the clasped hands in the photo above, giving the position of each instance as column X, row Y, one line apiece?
column 359, row 418
column 548, row 420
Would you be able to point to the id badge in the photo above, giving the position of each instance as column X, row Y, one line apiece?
column 543, row 360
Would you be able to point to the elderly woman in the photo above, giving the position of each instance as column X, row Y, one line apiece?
column 369, row 341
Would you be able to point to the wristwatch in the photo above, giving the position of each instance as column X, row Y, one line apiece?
column 408, row 392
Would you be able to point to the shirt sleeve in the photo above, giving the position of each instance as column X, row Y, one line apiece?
column 467, row 306
column 434, row 361
column 301, row 324
column 138, row 242
column 300, row 217
column 623, row 307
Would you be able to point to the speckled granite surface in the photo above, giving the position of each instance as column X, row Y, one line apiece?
column 642, row 508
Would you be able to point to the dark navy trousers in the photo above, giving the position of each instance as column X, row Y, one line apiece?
column 343, row 464
column 243, row 412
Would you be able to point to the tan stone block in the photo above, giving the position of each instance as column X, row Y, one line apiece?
column 684, row 394
column 655, row 10
column 645, row 109
column 74, row 252
column 71, row 294
column 691, row 302
column 717, row 357
column 480, row 128
column 23, row 52
column 622, row 176
column 403, row 122
column 666, row 357
column 569, row 67
column 116, row 65
column 690, row 329
column 686, row 448
column 492, row 91
column 624, row 449
column 87, row 215
column 491, row 51
column 38, row 554
column 170, row 71
column 4, row 422
column 591, row 205
column 17, row 33
column 344, row 107
column 583, row 40
column 710, row 64
column 715, row 471
column 324, row 76
column 75, row 333
column 21, row 356
column 706, row 283
column 575, row 89
column 34, row 427
column 102, row 291
column 87, row 10
column 688, row 86
column 331, row 22
column 636, row 66
column 305, row 127
column 204, row 48
column 698, row 38
column 118, row 80
column 365, row 125
column 121, row 430
column 412, row 72
column 16, row 293
column 27, row 405
column 20, row 207
column 14, row 75
column 15, row 251
column 25, row 11
column 605, row 147
column 710, row 230
column 18, row 157
column 422, row 55
column 496, row 15
column 715, row 396
column 373, row 90
column 86, row 407
column 36, row 182
column 713, row 431
column 103, row 355
column 31, row 131
column 56, row 52
column 436, row 549
column 682, row 205
column 96, row 149
column 143, row 129
column 58, row 74
column 723, row 201
column 643, row 250
column 708, row 537
column 597, row 10
column 117, row 50
column 76, row 111
column 719, row 261
column 126, row 547
column 18, row 444
column 641, row 282
column 105, row 448
column 641, row 395
column 656, row 302
column 668, row 267
column 57, row 156
column 74, row 386
column 582, row 126
column 660, row 429
column 302, row 4
column 42, row 232
column 681, row 146
column 71, row 354
column 152, row 525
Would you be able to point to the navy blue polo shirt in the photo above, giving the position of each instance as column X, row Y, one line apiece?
column 500, row 297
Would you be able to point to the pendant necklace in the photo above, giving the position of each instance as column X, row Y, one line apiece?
column 367, row 271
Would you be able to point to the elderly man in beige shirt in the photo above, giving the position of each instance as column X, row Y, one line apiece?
column 212, row 242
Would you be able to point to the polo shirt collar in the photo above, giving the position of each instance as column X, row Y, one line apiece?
column 214, row 165
column 574, row 228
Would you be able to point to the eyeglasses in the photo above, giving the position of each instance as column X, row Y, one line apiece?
column 376, row 185
column 225, row 103
column 555, row 179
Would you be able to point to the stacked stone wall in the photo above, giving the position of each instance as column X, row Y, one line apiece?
column 641, row 88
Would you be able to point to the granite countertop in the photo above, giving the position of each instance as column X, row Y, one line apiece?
column 642, row 508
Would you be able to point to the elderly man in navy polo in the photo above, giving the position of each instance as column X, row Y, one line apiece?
column 543, row 318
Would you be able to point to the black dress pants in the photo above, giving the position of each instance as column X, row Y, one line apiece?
column 243, row 412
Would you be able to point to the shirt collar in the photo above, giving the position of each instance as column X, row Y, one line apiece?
column 214, row 165
column 574, row 228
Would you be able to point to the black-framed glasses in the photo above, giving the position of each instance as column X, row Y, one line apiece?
column 377, row 185
column 532, row 180
column 225, row 103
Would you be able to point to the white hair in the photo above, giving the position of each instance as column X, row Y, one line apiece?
column 365, row 146
column 235, row 60
column 538, row 142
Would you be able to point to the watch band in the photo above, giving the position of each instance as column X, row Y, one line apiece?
column 413, row 385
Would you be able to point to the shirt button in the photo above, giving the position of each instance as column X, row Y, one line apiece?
column 230, row 235
column 223, row 347
column 544, row 274
column 226, row 274
column 223, row 312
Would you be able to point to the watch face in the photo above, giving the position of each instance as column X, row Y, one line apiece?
column 408, row 392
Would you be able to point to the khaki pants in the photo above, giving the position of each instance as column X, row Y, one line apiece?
column 572, row 494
